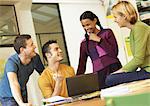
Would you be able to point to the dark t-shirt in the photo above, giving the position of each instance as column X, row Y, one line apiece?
column 23, row 73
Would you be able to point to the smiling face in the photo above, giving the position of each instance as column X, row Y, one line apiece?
column 29, row 50
column 120, row 19
column 55, row 52
column 89, row 25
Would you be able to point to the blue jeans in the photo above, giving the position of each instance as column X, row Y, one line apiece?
column 115, row 79
column 8, row 101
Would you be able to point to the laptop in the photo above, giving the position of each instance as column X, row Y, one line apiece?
column 83, row 86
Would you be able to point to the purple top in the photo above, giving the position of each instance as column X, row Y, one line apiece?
column 102, row 53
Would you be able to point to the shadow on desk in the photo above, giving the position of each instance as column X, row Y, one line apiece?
column 90, row 102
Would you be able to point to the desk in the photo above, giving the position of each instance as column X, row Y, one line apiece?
column 137, row 87
column 90, row 102
column 134, row 89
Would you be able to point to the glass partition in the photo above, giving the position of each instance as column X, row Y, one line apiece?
column 8, row 25
column 48, row 26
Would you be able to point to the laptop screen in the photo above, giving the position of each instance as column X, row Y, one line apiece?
column 82, row 84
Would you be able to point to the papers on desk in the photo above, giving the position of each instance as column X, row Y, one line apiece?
column 127, row 88
column 115, row 91
column 56, row 100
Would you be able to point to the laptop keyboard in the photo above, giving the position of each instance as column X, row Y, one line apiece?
column 86, row 96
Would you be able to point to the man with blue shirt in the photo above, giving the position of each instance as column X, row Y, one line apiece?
column 19, row 67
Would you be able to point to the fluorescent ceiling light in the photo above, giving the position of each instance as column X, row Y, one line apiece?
column 48, row 10
column 41, row 17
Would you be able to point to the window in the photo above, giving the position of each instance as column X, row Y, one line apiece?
column 47, row 23
column 8, row 25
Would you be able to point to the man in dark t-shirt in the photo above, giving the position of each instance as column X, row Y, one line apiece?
column 18, row 68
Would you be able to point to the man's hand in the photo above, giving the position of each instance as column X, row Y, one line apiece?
column 58, row 77
column 59, row 80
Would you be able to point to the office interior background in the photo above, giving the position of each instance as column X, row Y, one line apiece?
column 59, row 20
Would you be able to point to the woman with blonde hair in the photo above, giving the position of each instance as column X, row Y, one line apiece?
column 126, row 16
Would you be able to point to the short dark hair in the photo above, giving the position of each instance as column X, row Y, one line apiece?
column 20, row 41
column 90, row 15
column 45, row 48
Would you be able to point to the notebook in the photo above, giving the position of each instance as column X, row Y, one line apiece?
column 83, row 86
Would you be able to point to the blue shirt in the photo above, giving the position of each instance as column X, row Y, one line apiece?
column 23, row 73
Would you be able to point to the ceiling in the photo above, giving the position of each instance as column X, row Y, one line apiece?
column 46, row 16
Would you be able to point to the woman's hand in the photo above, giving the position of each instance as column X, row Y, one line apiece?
column 119, row 71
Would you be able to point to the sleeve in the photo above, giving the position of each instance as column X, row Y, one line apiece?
column 71, row 71
column 140, row 43
column 11, row 66
column 38, row 65
column 82, row 60
column 45, row 87
column 109, row 43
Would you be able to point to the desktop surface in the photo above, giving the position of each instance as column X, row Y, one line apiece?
column 89, row 102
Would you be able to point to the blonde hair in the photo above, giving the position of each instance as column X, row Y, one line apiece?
column 124, row 8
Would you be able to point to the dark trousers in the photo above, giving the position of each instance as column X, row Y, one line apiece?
column 118, row 78
column 102, row 74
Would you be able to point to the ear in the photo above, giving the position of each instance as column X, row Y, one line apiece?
column 48, row 55
column 95, row 20
column 21, row 49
